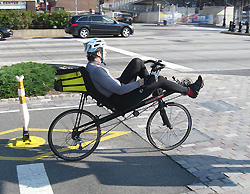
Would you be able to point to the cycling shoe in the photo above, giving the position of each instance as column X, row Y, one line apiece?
column 195, row 87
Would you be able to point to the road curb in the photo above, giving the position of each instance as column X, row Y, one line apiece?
column 42, row 97
column 235, row 33
column 39, row 33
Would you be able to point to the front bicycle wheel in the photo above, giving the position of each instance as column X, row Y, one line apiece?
column 67, row 142
column 169, row 135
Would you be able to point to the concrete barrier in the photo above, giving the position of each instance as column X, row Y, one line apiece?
column 39, row 33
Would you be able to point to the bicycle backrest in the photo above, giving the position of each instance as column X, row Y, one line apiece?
column 78, row 80
column 94, row 93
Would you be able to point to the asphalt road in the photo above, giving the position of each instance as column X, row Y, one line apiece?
column 196, row 48
column 125, row 164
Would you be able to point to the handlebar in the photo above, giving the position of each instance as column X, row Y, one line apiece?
column 156, row 66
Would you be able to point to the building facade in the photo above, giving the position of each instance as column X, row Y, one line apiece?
column 68, row 5
column 79, row 5
column 29, row 5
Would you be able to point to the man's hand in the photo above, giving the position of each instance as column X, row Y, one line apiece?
column 141, row 82
column 149, row 79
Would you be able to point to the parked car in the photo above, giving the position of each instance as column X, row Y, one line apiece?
column 5, row 32
column 86, row 25
column 126, row 18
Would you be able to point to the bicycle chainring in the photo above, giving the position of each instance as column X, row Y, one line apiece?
column 186, row 81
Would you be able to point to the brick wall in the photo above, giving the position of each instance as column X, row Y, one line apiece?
column 30, row 5
column 82, row 5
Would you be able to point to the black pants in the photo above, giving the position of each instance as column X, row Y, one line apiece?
column 134, row 69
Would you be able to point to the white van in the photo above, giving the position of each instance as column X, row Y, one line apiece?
column 113, row 14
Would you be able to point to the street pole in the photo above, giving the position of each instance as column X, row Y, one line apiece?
column 45, row 1
column 76, row 6
column 159, row 14
column 234, row 13
column 101, row 2
column 240, row 11
column 225, row 10
column 248, row 12
column 201, row 4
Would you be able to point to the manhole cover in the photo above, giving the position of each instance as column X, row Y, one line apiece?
column 196, row 136
column 219, row 106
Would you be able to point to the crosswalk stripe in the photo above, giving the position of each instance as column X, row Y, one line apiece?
column 33, row 178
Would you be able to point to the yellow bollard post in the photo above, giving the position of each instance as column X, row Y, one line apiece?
column 26, row 141
column 24, row 114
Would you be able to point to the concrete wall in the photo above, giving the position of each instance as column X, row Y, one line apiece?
column 39, row 33
column 148, row 17
column 218, row 13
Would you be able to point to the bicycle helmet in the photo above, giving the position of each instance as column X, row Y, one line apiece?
column 92, row 45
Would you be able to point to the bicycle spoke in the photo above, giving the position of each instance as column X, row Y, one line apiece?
column 163, row 137
column 72, row 145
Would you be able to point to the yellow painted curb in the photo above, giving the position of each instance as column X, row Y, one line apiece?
column 19, row 143
column 110, row 135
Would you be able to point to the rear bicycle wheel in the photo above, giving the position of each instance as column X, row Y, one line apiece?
column 167, row 138
column 69, row 144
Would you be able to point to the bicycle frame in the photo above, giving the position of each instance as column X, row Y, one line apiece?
column 116, row 114
column 166, row 121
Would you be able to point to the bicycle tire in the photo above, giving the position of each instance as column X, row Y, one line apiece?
column 61, row 140
column 161, row 136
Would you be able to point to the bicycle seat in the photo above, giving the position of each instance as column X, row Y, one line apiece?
column 94, row 93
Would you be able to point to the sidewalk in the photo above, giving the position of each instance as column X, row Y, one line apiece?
column 224, row 30
column 235, row 33
column 217, row 150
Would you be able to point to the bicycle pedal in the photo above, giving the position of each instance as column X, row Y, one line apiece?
column 79, row 142
column 80, row 147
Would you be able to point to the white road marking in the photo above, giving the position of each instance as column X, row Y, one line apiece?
column 33, row 179
column 50, row 108
column 132, row 54
column 122, row 51
column 168, row 64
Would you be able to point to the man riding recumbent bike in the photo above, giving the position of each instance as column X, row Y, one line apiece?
column 76, row 133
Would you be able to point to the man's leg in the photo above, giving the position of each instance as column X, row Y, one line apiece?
column 135, row 68
column 168, row 86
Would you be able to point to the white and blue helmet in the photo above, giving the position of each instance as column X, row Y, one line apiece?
column 93, row 44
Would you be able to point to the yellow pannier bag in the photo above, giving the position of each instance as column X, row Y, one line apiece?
column 69, row 80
